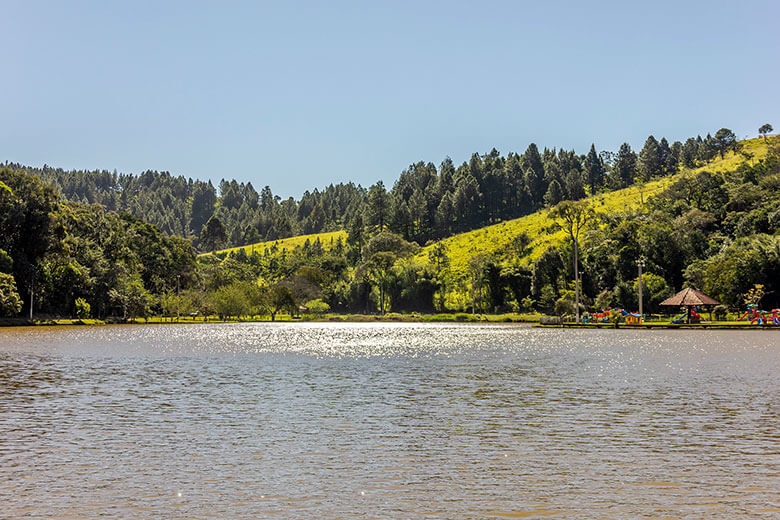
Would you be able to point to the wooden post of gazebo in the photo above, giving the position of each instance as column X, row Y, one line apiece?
column 689, row 298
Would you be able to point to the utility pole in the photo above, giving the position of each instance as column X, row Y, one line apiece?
column 32, row 281
column 640, row 263
column 576, row 279
column 178, row 276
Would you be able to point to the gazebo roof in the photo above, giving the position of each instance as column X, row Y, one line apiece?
column 689, row 296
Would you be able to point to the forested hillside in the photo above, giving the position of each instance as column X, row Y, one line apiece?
column 714, row 227
column 710, row 221
column 425, row 203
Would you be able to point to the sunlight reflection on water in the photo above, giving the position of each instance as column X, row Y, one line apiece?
column 387, row 420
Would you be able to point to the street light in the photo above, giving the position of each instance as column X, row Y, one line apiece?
column 178, row 277
column 640, row 263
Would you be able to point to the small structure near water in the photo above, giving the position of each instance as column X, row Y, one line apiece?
column 689, row 298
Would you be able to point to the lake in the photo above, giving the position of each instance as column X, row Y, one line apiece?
column 321, row 420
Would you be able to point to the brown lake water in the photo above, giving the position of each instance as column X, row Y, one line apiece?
column 388, row 421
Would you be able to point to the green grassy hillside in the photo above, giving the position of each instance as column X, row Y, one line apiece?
column 328, row 240
column 497, row 239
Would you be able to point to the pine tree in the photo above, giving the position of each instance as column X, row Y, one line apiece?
column 554, row 194
column 377, row 210
column 689, row 152
column 213, row 236
column 531, row 160
column 624, row 167
column 594, row 170
column 650, row 162
column 535, row 187
column 444, row 216
column 575, row 188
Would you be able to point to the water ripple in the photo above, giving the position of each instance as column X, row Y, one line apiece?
column 387, row 421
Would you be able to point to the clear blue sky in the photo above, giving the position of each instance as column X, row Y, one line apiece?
column 297, row 95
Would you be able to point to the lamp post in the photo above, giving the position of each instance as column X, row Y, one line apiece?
column 178, row 277
column 640, row 263
column 32, row 284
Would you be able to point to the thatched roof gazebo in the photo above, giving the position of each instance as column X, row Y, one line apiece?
column 689, row 298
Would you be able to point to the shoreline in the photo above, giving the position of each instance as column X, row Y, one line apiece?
column 528, row 319
column 474, row 319
column 711, row 325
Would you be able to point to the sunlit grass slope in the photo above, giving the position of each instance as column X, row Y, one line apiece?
column 328, row 240
column 497, row 239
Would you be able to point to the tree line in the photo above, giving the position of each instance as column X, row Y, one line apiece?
column 425, row 203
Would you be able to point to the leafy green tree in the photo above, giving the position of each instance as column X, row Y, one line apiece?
column 172, row 304
column 654, row 291
column 547, row 270
column 83, row 308
column 493, row 282
column 730, row 274
column 10, row 301
column 724, row 140
column 574, row 217
column 477, row 269
column 131, row 296
column 438, row 257
column 196, row 301
column 6, row 262
column 231, row 301
column 281, row 298
column 378, row 266
column 379, row 256
column 566, row 304
column 518, row 280
column 317, row 306
column 25, row 220
column 412, row 286
column 765, row 129
column 390, row 242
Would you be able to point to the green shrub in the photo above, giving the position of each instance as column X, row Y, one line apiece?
column 82, row 308
column 10, row 301
column 317, row 306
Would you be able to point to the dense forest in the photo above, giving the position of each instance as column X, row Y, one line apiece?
column 75, row 243
column 425, row 203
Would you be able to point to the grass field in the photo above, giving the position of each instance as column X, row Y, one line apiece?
column 327, row 240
